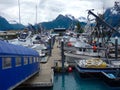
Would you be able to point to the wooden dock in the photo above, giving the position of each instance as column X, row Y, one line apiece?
column 45, row 77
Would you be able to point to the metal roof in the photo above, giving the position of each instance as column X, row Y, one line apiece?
column 11, row 49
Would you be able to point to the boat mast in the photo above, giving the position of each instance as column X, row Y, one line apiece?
column 19, row 11
column 36, row 13
column 36, row 7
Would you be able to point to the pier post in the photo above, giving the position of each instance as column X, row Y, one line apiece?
column 116, row 48
column 50, row 47
column 62, row 54
column 63, row 81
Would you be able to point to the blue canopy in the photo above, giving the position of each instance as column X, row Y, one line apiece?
column 11, row 49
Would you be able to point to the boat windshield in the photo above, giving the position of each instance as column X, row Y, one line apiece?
column 23, row 35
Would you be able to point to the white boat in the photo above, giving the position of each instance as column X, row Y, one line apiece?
column 83, row 48
column 24, row 39
column 41, row 48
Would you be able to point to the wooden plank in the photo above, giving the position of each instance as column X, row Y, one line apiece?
column 45, row 76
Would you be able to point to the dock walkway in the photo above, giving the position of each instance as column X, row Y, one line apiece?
column 46, row 75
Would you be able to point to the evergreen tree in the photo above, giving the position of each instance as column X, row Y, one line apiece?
column 79, row 28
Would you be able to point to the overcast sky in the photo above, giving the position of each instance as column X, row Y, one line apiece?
column 49, row 9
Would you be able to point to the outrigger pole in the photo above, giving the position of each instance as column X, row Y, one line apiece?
column 102, row 21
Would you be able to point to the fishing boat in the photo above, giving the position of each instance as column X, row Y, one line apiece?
column 81, row 50
column 94, row 66
column 80, row 47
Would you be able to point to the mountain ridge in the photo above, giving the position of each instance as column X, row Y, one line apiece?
column 111, row 16
column 61, row 21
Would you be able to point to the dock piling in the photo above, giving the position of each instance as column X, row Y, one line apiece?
column 62, row 54
column 116, row 48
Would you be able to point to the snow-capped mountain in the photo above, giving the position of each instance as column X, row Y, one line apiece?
column 70, row 16
column 64, row 21
column 116, row 8
column 82, row 19
column 112, row 15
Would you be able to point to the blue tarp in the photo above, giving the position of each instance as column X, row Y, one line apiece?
column 111, row 76
column 11, row 49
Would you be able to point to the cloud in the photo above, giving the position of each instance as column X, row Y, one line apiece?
column 7, row 3
column 48, row 10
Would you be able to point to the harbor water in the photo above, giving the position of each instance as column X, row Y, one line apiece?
column 72, row 81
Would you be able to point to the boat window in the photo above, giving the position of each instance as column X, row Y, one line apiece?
column 84, row 49
column 23, row 35
column 18, row 61
column 25, row 60
column 30, row 60
column 80, row 49
column 6, row 62
column 37, row 59
column 34, row 59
